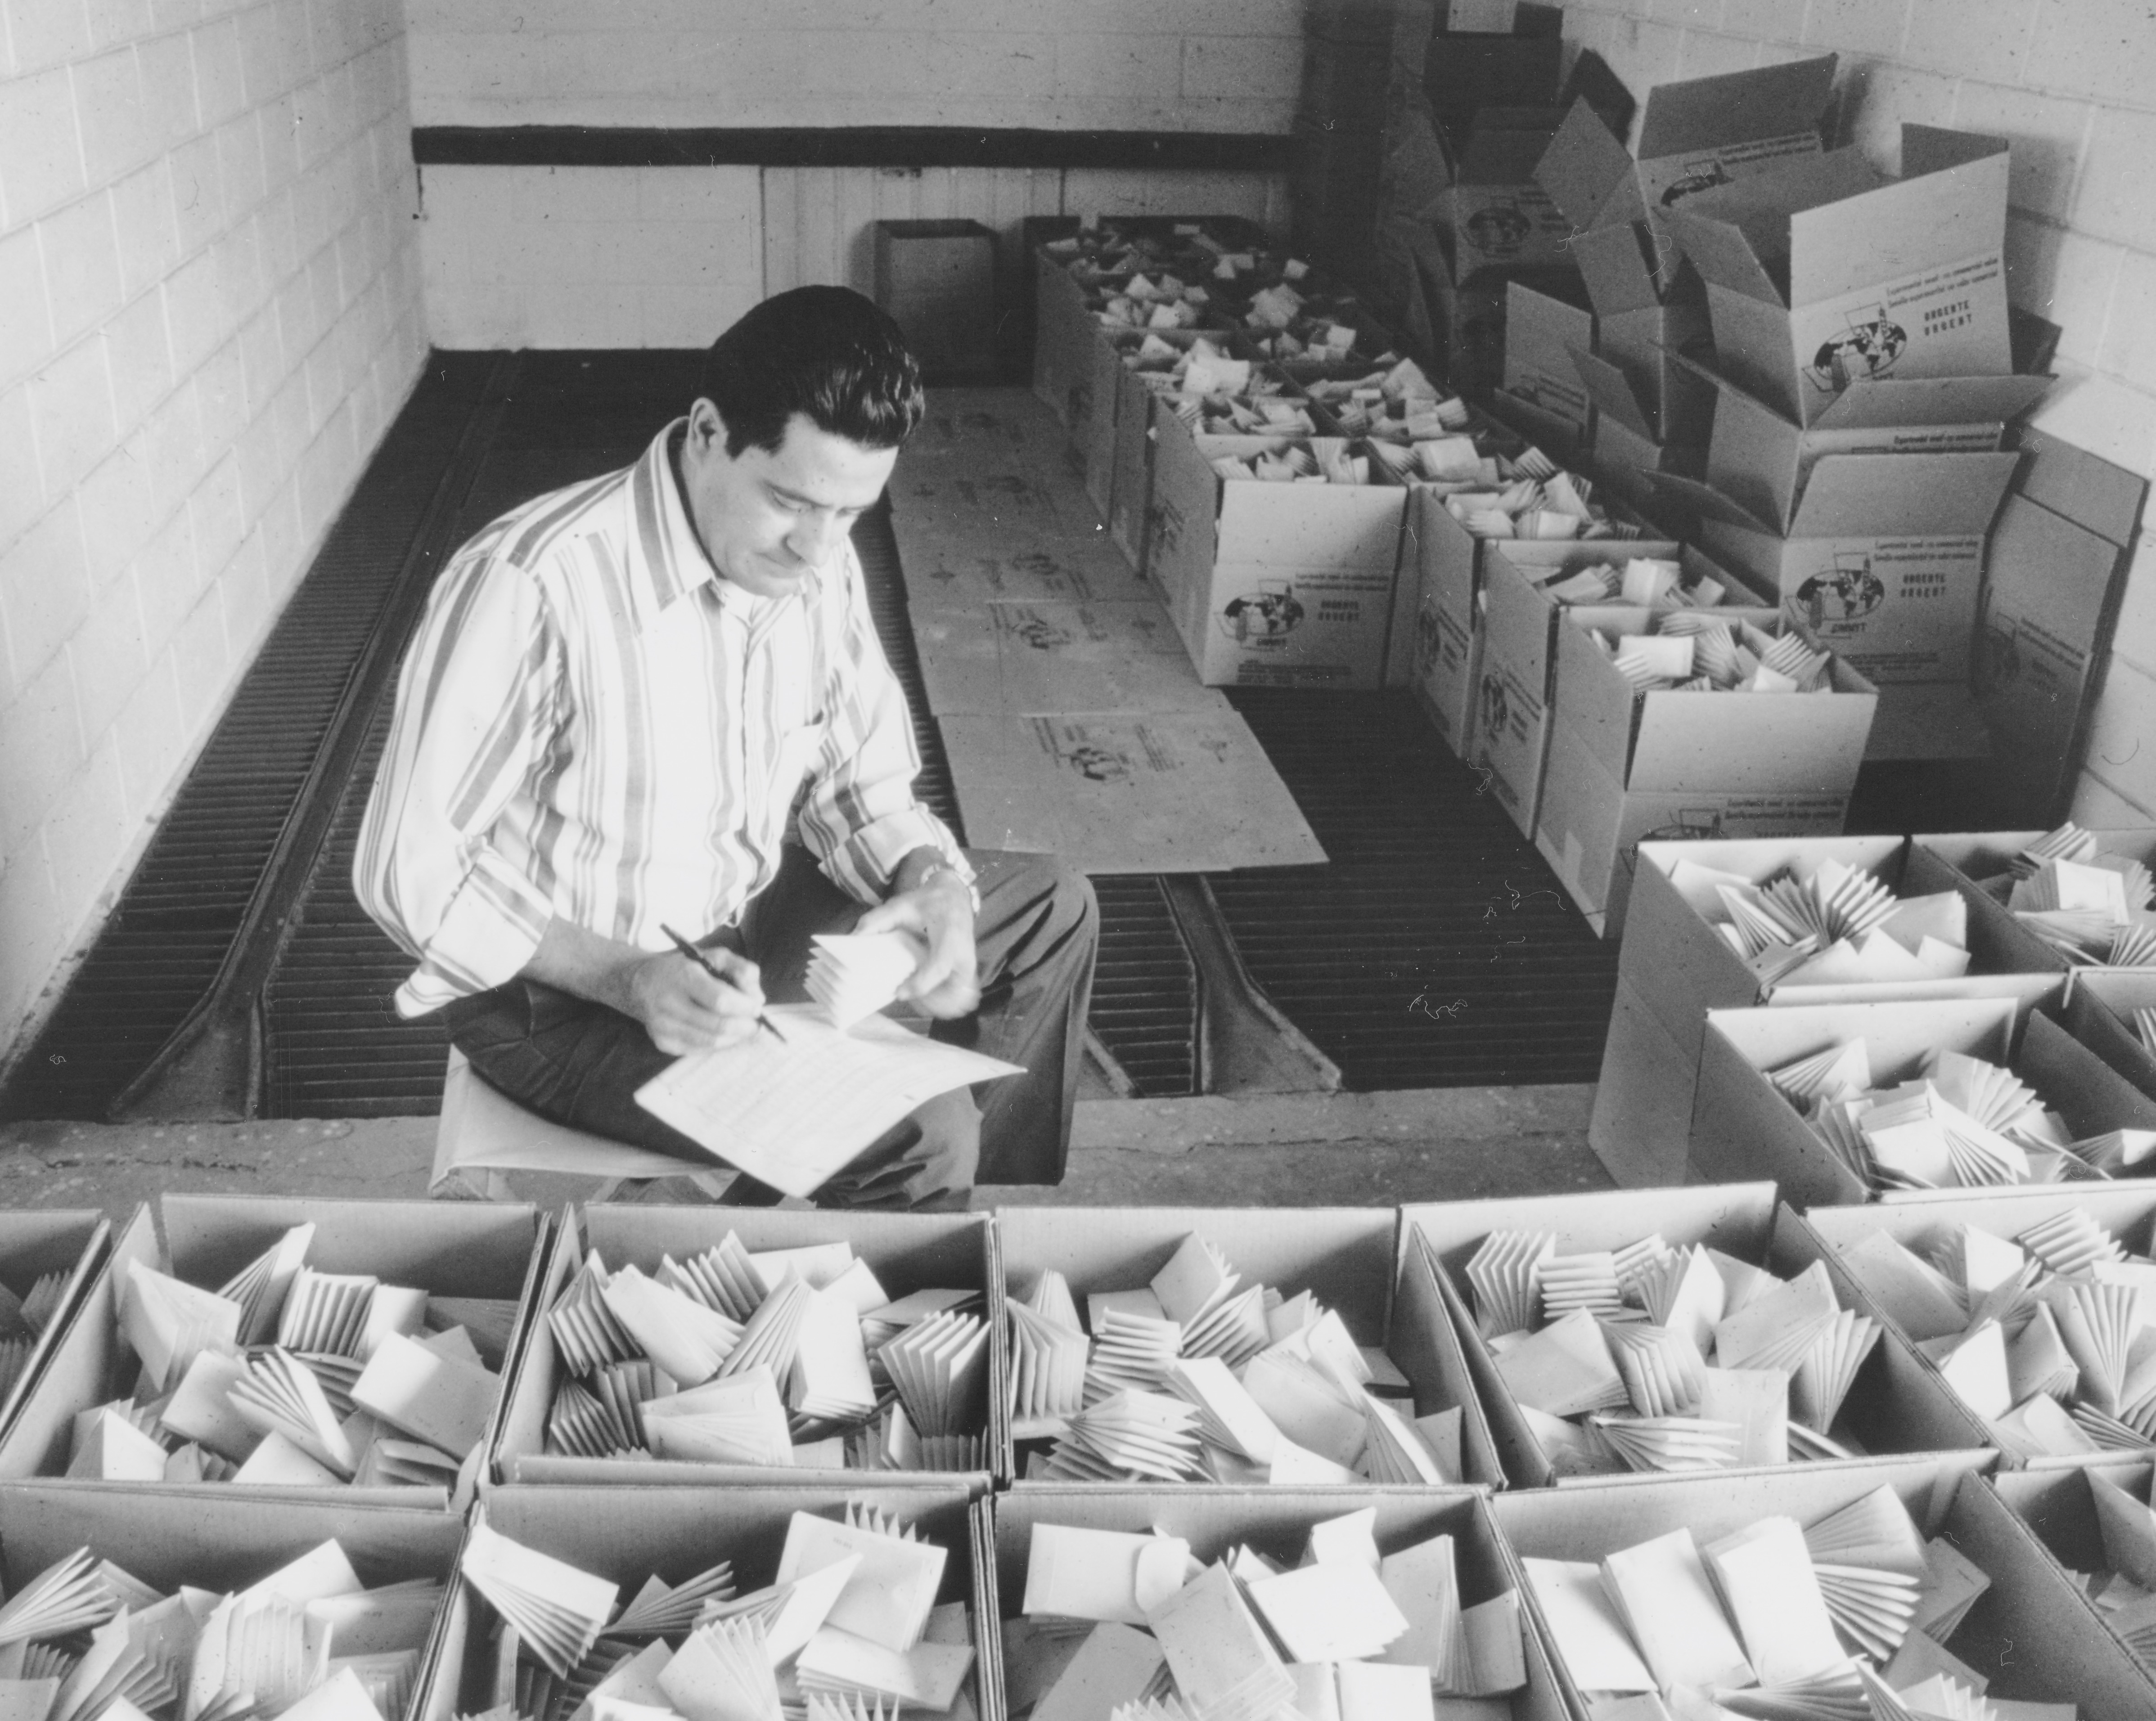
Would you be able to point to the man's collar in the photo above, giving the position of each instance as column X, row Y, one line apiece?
column 666, row 557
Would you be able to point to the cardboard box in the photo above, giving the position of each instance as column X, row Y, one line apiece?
column 1467, row 70
column 70, row 1241
column 449, row 1248
column 937, row 280
column 1519, row 654
column 1895, row 1407
column 1825, row 274
column 1971, row 857
column 1667, row 765
column 2058, row 1509
column 1501, row 220
column 1444, row 562
column 1742, row 1127
column 1277, row 1522
column 1543, row 325
column 1629, row 449
column 627, row 1534
column 2100, row 1015
column 1118, row 442
column 1063, row 331
column 1271, row 584
column 1675, row 967
column 2028, row 1634
column 1353, row 1259
column 907, row 1252
column 168, row 1541
column 1925, row 1222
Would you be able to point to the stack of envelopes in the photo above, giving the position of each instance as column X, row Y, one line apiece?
column 1965, row 1123
column 84, row 1639
column 1824, row 923
column 1119, row 1626
column 2048, row 1336
column 287, row 1377
column 788, row 1357
column 1655, row 1358
column 849, row 1627
column 1201, row 1376
column 1844, row 1620
column 2095, row 908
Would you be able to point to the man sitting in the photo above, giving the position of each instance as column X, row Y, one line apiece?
column 625, row 698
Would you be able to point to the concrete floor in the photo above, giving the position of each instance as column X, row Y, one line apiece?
column 1345, row 1149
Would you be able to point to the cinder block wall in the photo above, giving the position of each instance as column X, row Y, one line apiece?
column 209, row 308
column 668, row 256
column 2072, row 83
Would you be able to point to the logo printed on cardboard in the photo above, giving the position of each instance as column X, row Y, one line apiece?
column 1697, row 177
column 1848, row 591
column 1499, row 229
column 1863, row 352
column 1263, row 619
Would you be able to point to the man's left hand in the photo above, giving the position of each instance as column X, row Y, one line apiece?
column 939, row 913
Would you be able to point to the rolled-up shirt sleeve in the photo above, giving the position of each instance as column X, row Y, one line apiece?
column 474, row 710
column 861, row 817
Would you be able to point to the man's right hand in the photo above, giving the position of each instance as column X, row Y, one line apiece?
column 684, row 1009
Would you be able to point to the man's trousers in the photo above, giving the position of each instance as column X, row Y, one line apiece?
column 580, row 1064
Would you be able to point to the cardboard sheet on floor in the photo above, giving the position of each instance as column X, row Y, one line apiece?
column 1024, row 659
column 1174, row 793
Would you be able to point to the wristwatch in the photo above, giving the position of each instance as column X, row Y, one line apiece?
column 973, row 890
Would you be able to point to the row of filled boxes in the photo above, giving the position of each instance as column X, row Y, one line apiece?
column 515, row 1609
column 1688, row 1003
column 1396, row 1361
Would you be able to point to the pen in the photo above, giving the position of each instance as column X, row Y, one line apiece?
column 704, row 962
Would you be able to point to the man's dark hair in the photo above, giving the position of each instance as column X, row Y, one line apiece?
column 825, row 352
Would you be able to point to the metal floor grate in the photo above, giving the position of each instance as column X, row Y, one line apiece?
column 1435, row 949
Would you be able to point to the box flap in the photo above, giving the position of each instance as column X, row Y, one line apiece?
column 1690, row 496
column 1501, row 155
column 1611, row 392
column 1702, row 114
column 1618, row 265
column 1929, row 720
column 2085, row 488
column 1901, row 229
column 1740, row 235
column 1935, row 149
column 1877, row 495
column 1893, row 401
column 1586, row 170
column 1783, row 744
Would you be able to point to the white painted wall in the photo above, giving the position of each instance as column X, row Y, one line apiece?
column 2072, row 83
column 208, row 312
column 668, row 257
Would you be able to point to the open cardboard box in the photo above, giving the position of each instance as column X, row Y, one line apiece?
column 1499, row 219
column 1923, row 1221
column 2058, row 1509
column 1972, row 857
column 1353, row 1259
column 630, row 1534
column 1824, row 273
column 448, row 1249
column 1742, row 1127
column 907, row 1252
column 2029, row 1633
column 1277, row 1522
column 168, row 1541
column 1624, row 766
column 1272, row 584
column 1545, row 320
column 1674, row 967
column 1896, row 1406
column 33, row 1244
column 1120, row 436
column 1519, row 651
column 1630, row 447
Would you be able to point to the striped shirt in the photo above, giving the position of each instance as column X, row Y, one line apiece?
column 591, row 723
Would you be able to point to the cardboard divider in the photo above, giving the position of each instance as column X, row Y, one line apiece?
column 1743, row 1127
column 627, row 1534
column 2057, row 1508
column 1921, row 1219
column 1353, row 1259
column 33, row 1244
column 2100, row 1015
column 1895, row 1407
column 2028, row 1633
column 907, row 1252
column 447, row 1248
column 1277, row 1522
column 1675, row 967
column 168, row 1540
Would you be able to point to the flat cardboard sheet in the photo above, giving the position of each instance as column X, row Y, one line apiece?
column 1180, row 792
column 1024, row 659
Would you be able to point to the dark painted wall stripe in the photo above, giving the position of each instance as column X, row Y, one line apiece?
column 840, row 146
